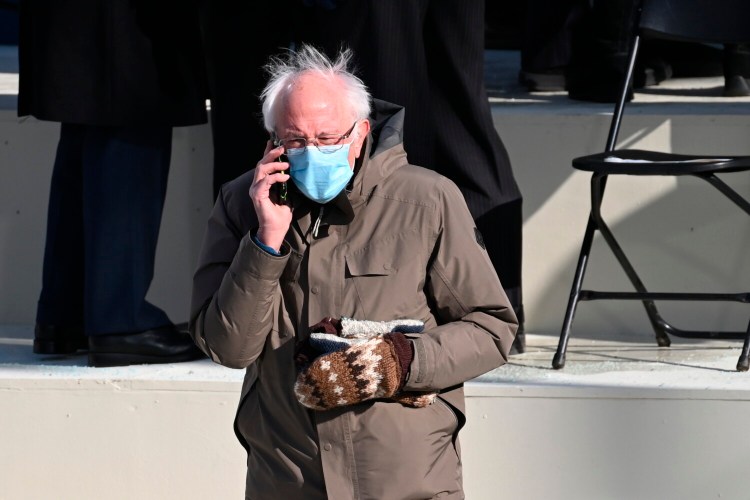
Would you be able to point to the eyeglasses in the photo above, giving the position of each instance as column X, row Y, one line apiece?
column 330, row 142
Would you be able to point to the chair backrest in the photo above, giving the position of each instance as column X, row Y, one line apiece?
column 708, row 21
column 711, row 21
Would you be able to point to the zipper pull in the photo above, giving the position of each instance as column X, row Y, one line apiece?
column 316, row 227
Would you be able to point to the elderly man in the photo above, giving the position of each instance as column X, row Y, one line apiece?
column 357, row 293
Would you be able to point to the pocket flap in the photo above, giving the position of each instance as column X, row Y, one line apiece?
column 371, row 264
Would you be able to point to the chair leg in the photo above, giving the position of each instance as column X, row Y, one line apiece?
column 744, row 362
column 657, row 322
column 558, row 361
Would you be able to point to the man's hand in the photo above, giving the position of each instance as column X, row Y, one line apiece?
column 274, row 218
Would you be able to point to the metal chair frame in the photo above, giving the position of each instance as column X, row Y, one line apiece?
column 702, row 167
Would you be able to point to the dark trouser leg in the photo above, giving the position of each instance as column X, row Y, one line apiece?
column 547, row 37
column 59, row 313
column 467, row 142
column 502, row 231
column 61, row 299
column 600, row 51
column 125, row 173
column 546, row 47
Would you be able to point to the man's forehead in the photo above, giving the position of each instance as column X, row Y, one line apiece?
column 315, row 93
column 313, row 102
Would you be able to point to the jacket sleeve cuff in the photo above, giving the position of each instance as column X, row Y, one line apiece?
column 251, row 262
column 417, row 368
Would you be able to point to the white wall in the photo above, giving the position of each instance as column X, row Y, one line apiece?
column 681, row 225
column 95, row 437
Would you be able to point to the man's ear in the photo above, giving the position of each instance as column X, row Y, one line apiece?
column 361, row 131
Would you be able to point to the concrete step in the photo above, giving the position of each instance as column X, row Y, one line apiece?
column 618, row 411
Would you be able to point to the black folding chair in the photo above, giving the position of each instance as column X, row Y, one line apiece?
column 711, row 21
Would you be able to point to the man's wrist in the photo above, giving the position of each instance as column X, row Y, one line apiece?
column 269, row 242
column 266, row 248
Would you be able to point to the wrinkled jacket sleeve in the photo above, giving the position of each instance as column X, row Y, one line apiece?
column 477, row 324
column 234, row 288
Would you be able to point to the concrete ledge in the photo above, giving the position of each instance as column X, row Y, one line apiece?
column 622, row 421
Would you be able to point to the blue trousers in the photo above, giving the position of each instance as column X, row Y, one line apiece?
column 105, row 206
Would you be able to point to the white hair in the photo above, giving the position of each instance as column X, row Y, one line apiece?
column 285, row 71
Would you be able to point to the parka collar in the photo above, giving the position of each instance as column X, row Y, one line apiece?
column 384, row 151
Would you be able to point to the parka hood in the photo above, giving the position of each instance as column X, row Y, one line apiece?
column 384, row 151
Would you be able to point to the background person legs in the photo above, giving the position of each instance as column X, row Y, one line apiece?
column 106, row 199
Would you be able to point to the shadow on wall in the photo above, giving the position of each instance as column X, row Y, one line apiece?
column 584, row 137
column 683, row 236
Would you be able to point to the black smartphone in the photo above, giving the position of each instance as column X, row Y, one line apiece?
column 279, row 189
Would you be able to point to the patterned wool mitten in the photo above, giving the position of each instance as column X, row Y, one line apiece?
column 366, row 370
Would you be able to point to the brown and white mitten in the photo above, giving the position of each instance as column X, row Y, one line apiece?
column 366, row 370
column 338, row 335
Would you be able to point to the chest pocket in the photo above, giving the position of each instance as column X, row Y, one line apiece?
column 386, row 280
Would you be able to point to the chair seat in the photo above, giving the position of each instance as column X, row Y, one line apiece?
column 641, row 162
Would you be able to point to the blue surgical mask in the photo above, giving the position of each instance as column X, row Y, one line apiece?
column 321, row 176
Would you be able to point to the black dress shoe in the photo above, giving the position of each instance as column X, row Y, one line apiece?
column 549, row 80
column 166, row 344
column 736, row 70
column 51, row 339
column 736, row 86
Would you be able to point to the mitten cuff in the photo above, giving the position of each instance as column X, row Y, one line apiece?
column 404, row 352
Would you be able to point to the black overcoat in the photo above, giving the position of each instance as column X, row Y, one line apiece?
column 111, row 62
